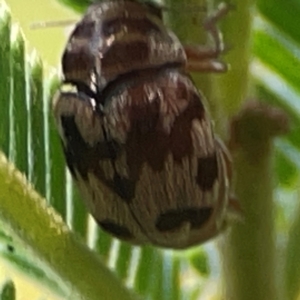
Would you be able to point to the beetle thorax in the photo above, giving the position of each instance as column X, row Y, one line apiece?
column 119, row 37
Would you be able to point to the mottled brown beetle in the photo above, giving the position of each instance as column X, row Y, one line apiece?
column 136, row 136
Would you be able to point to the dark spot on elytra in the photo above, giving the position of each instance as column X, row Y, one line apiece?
column 69, row 160
column 80, row 156
column 124, row 187
column 117, row 230
column 149, row 143
column 75, row 146
column 207, row 172
column 107, row 150
column 173, row 219
column 181, row 143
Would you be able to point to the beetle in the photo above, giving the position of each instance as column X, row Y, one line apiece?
column 136, row 135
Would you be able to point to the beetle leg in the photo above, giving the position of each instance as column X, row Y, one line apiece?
column 210, row 24
column 206, row 66
column 205, row 59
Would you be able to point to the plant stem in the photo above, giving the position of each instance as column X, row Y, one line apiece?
column 230, row 90
column 291, row 267
column 249, row 250
column 39, row 226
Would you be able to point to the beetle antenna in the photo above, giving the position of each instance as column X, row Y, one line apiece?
column 51, row 24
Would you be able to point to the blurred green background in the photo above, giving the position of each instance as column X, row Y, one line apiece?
column 49, row 42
